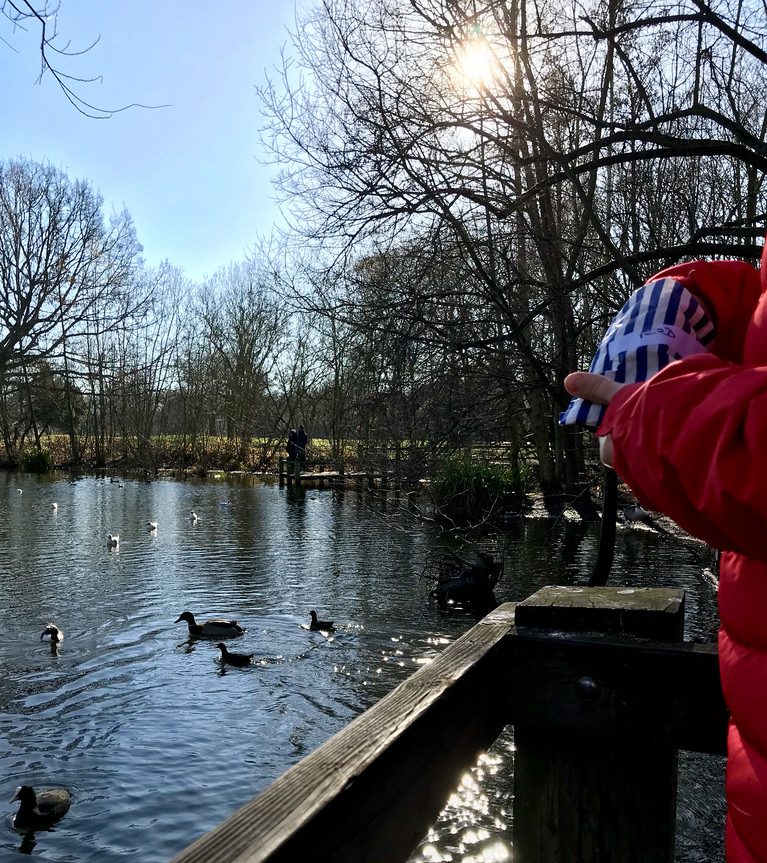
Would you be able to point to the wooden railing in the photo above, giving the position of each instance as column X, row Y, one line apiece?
column 602, row 694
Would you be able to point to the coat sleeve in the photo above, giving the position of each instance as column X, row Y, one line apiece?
column 692, row 442
column 730, row 291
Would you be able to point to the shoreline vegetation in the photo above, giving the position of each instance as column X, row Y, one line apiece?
column 408, row 461
column 475, row 487
column 469, row 492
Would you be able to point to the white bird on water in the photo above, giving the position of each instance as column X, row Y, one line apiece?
column 193, row 515
column 152, row 525
column 54, row 506
column 113, row 540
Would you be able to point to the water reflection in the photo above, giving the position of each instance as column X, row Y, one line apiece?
column 132, row 715
column 474, row 824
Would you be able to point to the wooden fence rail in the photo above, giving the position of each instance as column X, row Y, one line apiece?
column 599, row 711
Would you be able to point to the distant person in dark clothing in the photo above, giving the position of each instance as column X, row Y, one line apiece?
column 292, row 445
column 301, row 440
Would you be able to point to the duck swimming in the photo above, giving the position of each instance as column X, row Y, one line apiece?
column 193, row 515
column 113, row 540
column 56, row 634
column 234, row 658
column 152, row 525
column 215, row 628
column 320, row 625
column 42, row 809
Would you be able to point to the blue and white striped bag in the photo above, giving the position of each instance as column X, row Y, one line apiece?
column 661, row 322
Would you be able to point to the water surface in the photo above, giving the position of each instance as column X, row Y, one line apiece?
column 158, row 743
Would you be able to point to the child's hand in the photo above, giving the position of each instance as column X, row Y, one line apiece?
column 600, row 390
column 593, row 388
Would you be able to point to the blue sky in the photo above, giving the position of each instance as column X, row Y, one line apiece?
column 189, row 173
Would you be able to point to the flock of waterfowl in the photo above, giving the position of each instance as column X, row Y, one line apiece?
column 113, row 539
column 222, row 628
column 42, row 809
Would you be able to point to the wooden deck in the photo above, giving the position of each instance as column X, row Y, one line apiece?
column 370, row 479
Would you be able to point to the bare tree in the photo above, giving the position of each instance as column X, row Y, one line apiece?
column 245, row 323
column 65, row 275
column 55, row 51
column 560, row 153
column 60, row 263
column 142, row 379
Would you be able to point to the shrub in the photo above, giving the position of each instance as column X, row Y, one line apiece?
column 37, row 462
column 464, row 491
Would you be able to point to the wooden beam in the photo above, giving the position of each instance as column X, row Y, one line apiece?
column 600, row 688
column 649, row 612
column 372, row 791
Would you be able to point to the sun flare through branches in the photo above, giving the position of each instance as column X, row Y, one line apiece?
column 476, row 66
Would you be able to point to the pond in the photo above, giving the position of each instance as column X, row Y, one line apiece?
column 158, row 742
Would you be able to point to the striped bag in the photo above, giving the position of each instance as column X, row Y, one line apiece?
column 661, row 322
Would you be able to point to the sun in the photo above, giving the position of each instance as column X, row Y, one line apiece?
column 475, row 64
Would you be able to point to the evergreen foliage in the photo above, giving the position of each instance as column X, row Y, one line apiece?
column 465, row 491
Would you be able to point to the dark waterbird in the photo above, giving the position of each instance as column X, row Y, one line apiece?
column 468, row 584
column 39, row 810
column 56, row 634
column 215, row 628
column 636, row 513
column 233, row 658
column 320, row 625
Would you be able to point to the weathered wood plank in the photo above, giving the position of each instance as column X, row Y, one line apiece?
column 657, row 692
column 380, row 782
column 650, row 612
column 592, row 804
column 584, row 792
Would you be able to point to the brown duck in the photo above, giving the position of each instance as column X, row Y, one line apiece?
column 215, row 628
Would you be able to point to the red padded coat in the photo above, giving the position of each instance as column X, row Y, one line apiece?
column 692, row 442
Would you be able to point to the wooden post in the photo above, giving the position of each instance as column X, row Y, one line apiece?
column 593, row 795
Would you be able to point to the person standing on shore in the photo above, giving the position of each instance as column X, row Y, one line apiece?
column 292, row 445
column 301, row 440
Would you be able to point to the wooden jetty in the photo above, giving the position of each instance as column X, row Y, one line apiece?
column 602, row 693
column 290, row 473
